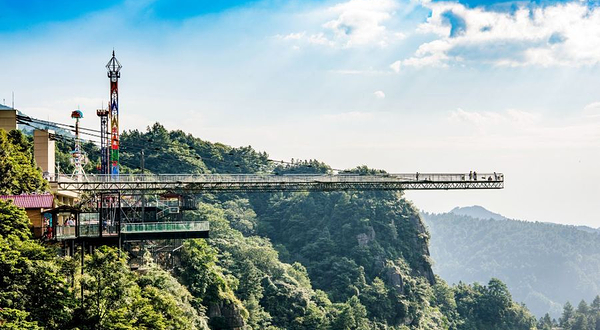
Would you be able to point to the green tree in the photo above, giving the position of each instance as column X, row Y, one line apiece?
column 580, row 322
column 378, row 304
column 14, row 319
column 240, row 215
column 32, row 280
column 14, row 222
column 109, row 287
column 545, row 323
column 117, row 298
column 171, row 299
column 352, row 315
column 18, row 172
column 594, row 319
column 595, row 305
column 568, row 316
column 583, row 308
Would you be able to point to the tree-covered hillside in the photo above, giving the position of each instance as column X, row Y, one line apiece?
column 344, row 260
column 544, row 265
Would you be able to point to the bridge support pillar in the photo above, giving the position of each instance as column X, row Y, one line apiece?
column 8, row 120
column 44, row 151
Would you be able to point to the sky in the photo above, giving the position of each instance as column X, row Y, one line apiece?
column 400, row 85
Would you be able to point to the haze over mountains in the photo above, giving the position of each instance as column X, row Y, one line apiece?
column 543, row 264
column 478, row 212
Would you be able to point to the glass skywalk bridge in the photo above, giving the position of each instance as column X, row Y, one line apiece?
column 125, row 200
column 131, row 183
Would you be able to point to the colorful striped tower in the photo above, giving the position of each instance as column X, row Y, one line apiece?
column 113, row 68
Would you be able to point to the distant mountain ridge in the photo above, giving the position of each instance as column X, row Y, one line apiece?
column 543, row 264
column 478, row 212
column 589, row 229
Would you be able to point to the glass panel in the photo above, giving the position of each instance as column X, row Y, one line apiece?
column 165, row 227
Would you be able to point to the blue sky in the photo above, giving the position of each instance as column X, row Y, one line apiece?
column 23, row 14
column 395, row 84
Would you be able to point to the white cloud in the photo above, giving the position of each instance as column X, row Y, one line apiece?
column 592, row 110
column 516, row 129
column 352, row 24
column 566, row 34
column 508, row 118
column 379, row 94
column 360, row 22
column 433, row 60
column 293, row 36
column 352, row 116
column 476, row 118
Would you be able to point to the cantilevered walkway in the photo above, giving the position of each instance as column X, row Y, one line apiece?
column 137, row 231
column 132, row 183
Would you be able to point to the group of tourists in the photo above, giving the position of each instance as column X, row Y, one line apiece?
column 473, row 176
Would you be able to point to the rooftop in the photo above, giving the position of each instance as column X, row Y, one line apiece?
column 31, row 201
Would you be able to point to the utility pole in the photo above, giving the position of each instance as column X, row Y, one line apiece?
column 82, row 264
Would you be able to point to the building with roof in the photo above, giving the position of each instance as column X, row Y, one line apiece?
column 36, row 207
column 44, row 150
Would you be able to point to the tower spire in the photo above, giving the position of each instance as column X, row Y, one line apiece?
column 114, row 68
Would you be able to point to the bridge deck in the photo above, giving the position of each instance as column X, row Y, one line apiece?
column 271, row 182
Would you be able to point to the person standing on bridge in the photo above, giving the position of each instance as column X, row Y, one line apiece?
column 417, row 176
column 475, row 175
column 471, row 175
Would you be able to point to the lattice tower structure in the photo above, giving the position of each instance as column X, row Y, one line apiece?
column 104, row 141
column 77, row 153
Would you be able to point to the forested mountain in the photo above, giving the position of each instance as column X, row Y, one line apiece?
column 584, row 317
column 342, row 260
column 543, row 264
column 478, row 212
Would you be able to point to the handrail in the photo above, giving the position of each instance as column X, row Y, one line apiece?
column 92, row 230
column 286, row 178
column 179, row 226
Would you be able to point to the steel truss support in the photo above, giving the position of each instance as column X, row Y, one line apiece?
column 138, row 184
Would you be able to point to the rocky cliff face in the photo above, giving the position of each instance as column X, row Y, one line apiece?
column 349, row 241
column 421, row 242
column 225, row 316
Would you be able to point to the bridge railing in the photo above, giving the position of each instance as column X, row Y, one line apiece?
column 91, row 230
column 150, row 227
column 63, row 232
column 286, row 178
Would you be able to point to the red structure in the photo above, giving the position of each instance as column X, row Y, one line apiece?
column 114, row 68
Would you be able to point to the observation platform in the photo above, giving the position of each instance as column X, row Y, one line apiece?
column 192, row 183
column 165, row 230
column 136, row 231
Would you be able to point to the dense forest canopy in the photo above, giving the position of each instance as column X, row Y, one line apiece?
column 343, row 260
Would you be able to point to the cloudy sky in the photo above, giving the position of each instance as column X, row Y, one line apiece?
column 402, row 85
